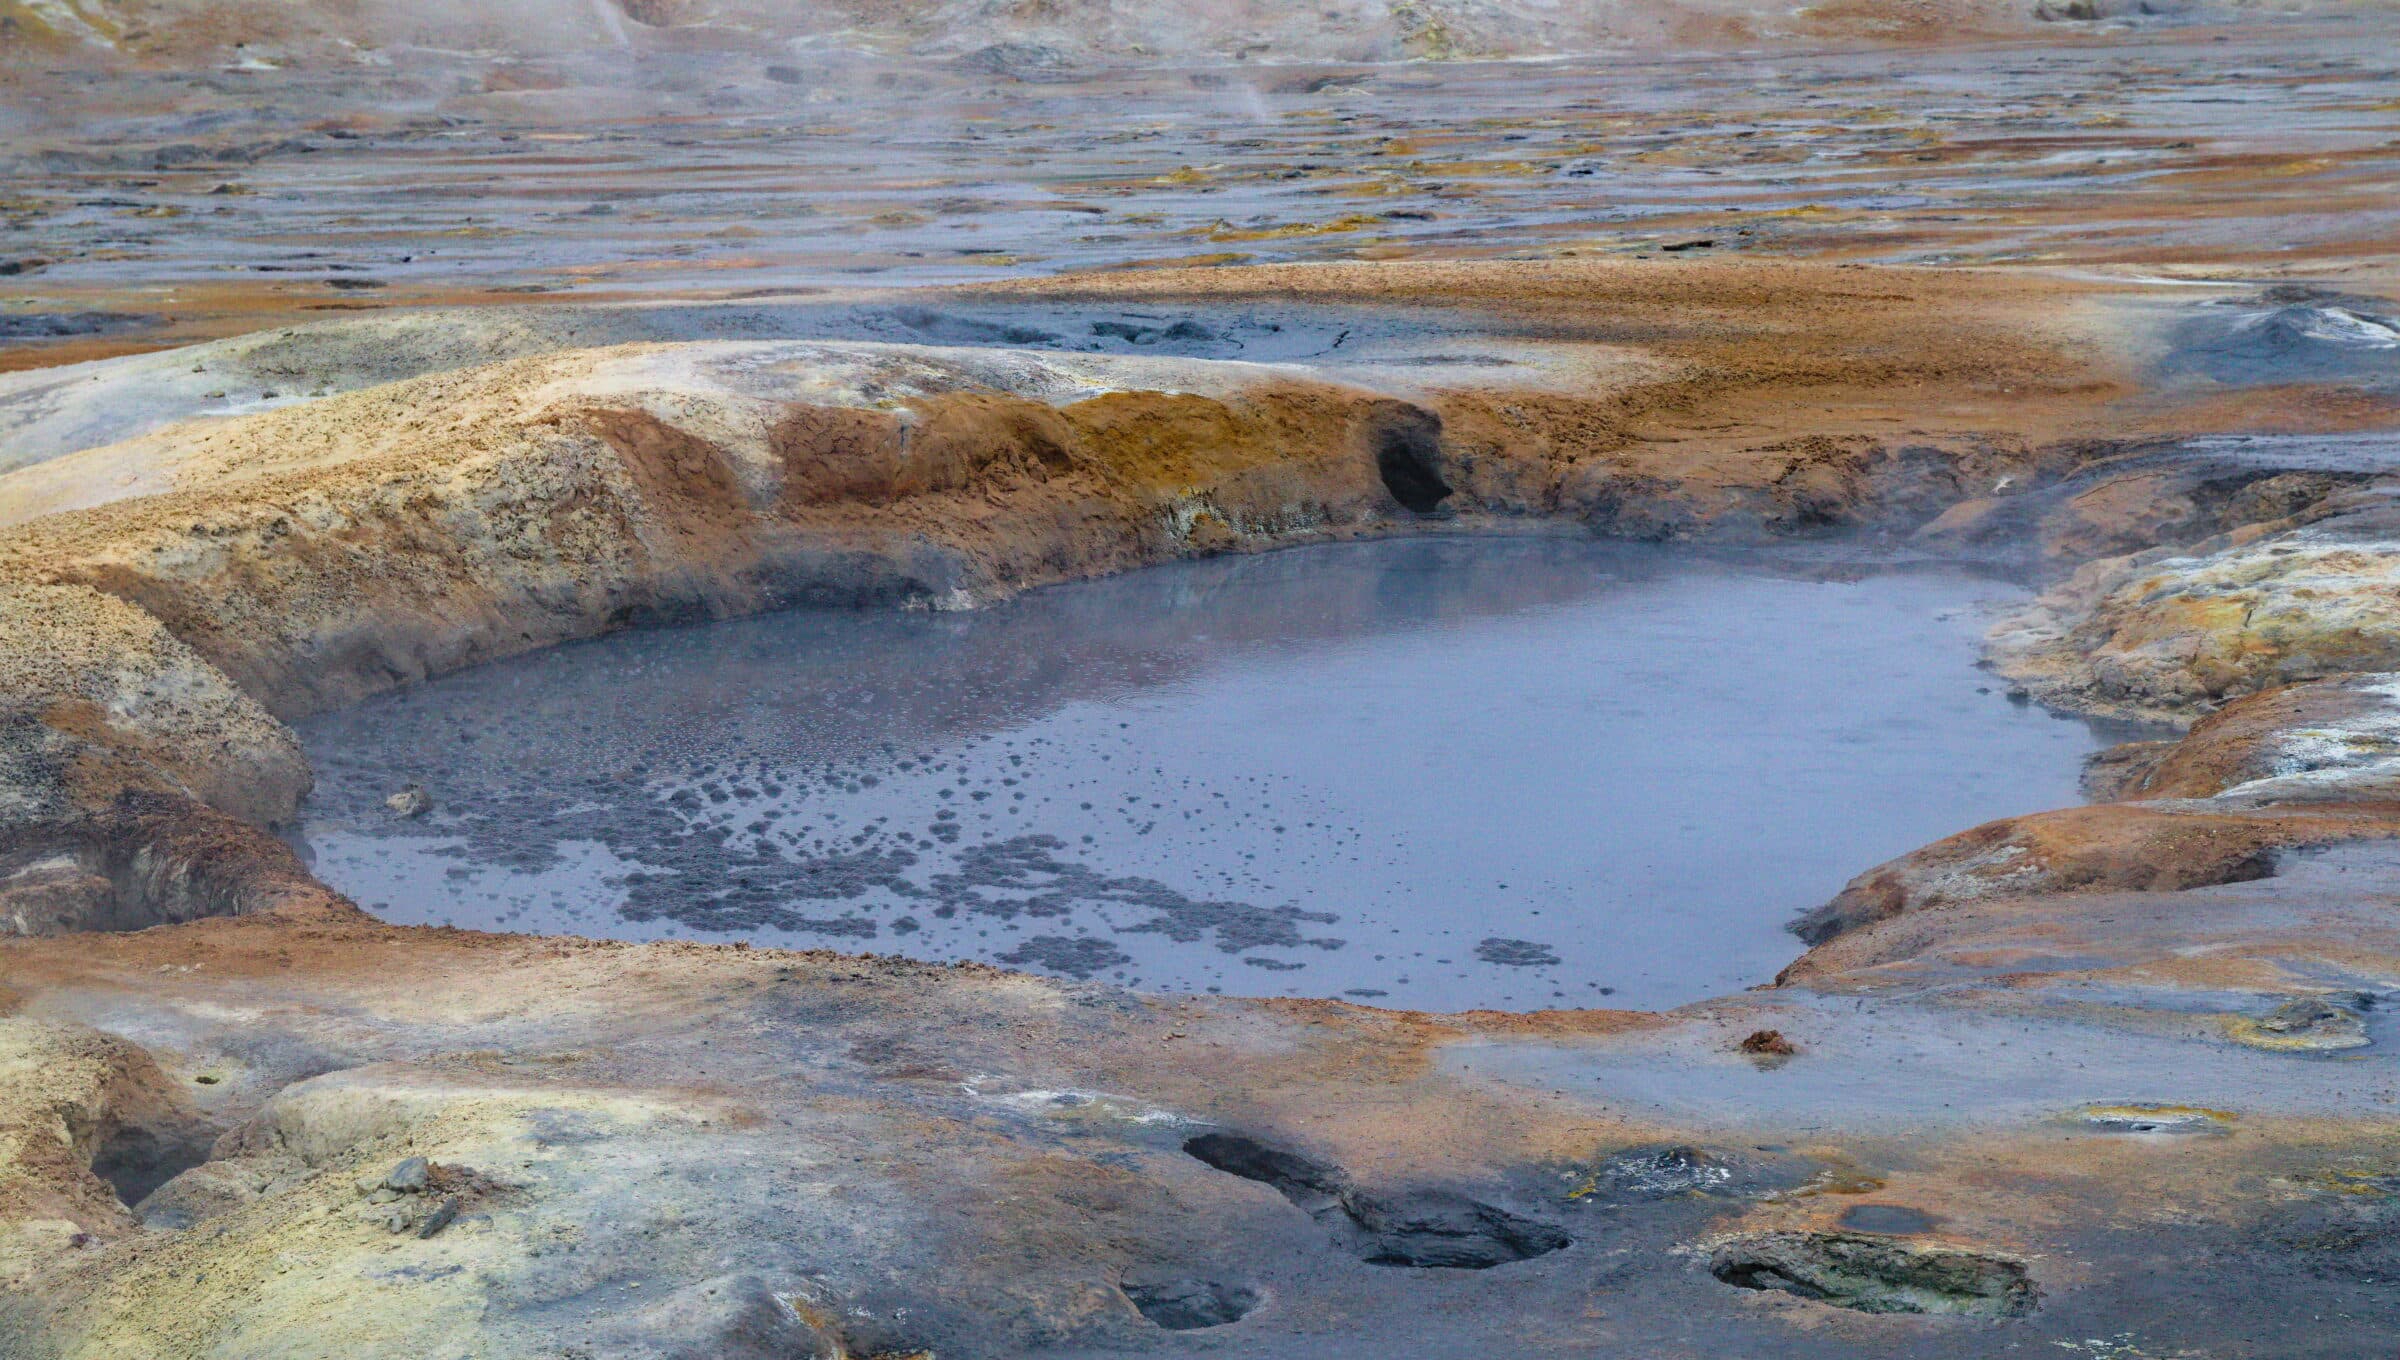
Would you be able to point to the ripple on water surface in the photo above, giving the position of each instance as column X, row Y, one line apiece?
column 1442, row 773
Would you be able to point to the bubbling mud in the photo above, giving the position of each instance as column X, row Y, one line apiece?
column 1442, row 773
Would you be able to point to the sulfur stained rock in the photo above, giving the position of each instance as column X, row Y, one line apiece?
column 2310, row 1024
column 1877, row 1275
column 2171, row 635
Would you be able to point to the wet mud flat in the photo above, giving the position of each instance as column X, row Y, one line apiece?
column 1442, row 773
column 689, row 171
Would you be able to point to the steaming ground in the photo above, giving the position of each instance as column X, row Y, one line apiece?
column 143, row 207
column 1445, row 774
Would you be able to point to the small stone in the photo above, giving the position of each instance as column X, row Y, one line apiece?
column 1767, row 1043
column 411, row 802
column 411, row 1176
column 442, row 1218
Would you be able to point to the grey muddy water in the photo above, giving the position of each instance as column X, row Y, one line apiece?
column 1441, row 773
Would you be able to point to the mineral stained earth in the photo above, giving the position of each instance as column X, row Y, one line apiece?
column 352, row 344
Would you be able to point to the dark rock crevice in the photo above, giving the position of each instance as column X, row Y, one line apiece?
column 135, row 1159
column 1435, row 1228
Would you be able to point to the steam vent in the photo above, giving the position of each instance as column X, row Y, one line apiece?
column 1071, row 679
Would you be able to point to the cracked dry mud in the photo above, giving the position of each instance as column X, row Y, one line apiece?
column 2113, row 1079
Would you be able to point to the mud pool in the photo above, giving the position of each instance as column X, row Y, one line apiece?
column 1444, row 773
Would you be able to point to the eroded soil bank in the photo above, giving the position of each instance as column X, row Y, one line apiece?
column 290, row 1129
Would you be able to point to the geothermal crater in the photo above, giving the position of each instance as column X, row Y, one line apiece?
column 1441, row 773
column 708, row 680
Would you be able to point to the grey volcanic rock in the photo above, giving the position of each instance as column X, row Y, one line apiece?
column 1874, row 1275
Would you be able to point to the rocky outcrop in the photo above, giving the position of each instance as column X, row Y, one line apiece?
column 2110, row 847
column 2169, row 633
column 2302, row 766
column 1877, row 1275
column 101, row 670
column 2330, row 741
column 322, row 554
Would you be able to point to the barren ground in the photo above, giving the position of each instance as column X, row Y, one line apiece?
column 2106, row 303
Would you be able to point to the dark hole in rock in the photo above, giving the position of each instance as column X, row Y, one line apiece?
column 1408, row 456
column 2254, row 867
column 1443, row 1229
column 1430, row 1228
column 136, row 1160
column 1877, row 1275
column 1187, row 1305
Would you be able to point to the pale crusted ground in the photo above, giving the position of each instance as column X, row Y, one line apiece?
column 687, row 1150
column 2128, row 1056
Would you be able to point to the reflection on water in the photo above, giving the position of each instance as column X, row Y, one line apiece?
column 1442, row 773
